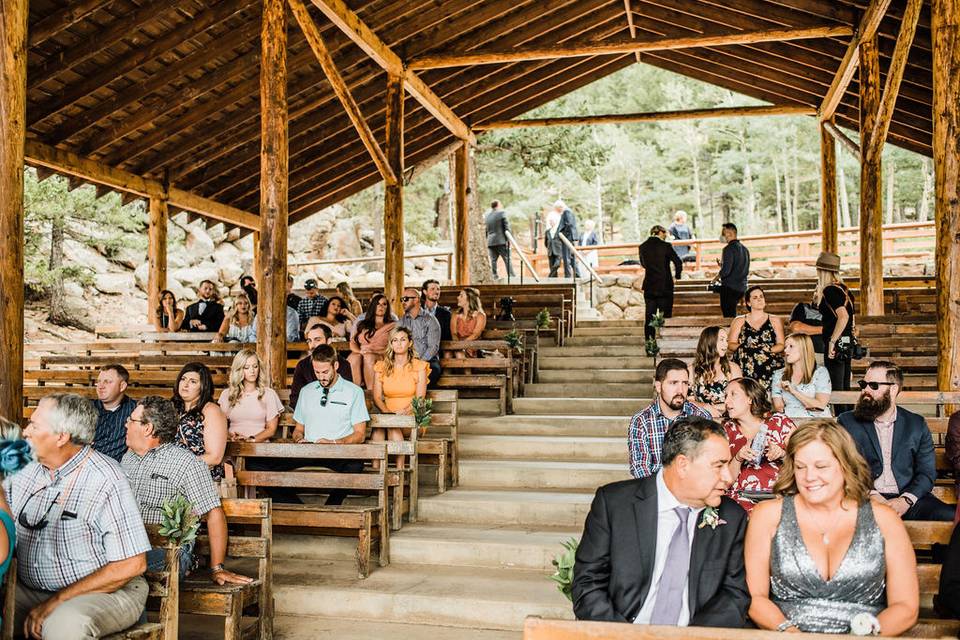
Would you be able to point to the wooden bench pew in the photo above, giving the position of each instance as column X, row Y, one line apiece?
column 440, row 440
column 201, row 596
column 359, row 520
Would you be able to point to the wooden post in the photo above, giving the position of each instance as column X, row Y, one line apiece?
column 274, row 180
column 156, row 254
column 462, row 244
column 393, row 196
column 945, row 34
column 871, row 199
column 828, row 191
column 13, row 106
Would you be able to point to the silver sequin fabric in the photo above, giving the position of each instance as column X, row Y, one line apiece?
column 827, row 606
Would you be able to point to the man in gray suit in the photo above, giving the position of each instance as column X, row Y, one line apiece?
column 497, row 245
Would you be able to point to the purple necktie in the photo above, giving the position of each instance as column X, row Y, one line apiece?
column 673, row 580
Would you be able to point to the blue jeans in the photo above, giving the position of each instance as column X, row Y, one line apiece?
column 157, row 555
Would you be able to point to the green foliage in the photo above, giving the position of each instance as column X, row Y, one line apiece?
column 423, row 411
column 564, row 562
column 657, row 321
column 652, row 347
column 543, row 319
column 180, row 523
column 514, row 340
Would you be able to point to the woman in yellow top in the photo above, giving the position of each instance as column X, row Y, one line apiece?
column 398, row 379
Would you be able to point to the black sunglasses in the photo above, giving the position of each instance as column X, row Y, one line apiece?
column 863, row 384
column 40, row 524
column 326, row 396
column 405, row 298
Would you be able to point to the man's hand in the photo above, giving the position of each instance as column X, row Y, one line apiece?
column 223, row 577
column 195, row 324
column 900, row 505
column 33, row 625
column 324, row 441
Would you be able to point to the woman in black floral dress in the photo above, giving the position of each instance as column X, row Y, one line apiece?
column 756, row 339
column 203, row 427
column 711, row 370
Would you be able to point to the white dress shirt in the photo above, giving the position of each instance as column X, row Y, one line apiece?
column 667, row 523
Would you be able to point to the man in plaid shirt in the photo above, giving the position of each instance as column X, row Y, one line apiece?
column 311, row 305
column 647, row 428
column 81, row 544
column 158, row 470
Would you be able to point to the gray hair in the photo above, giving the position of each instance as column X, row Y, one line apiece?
column 160, row 414
column 687, row 435
column 72, row 414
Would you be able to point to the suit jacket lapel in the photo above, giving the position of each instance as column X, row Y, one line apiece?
column 645, row 511
column 899, row 436
column 871, row 432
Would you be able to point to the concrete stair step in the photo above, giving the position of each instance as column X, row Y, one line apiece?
column 624, row 349
column 507, row 508
column 597, row 375
column 604, row 330
column 516, row 425
column 589, row 388
column 542, row 474
column 609, row 323
column 578, row 406
column 478, row 406
column 596, row 362
column 603, row 341
column 469, row 597
column 565, row 448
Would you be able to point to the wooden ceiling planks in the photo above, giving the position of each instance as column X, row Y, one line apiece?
column 179, row 92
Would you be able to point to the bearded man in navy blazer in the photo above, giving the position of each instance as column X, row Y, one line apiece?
column 897, row 446
column 667, row 549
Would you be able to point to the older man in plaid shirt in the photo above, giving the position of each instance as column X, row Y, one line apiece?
column 158, row 470
column 671, row 381
column 81, row 544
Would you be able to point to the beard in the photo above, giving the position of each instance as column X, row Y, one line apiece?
column 869, row 408
column 675, row 403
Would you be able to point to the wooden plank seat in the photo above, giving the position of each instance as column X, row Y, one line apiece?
column 200, row 595
column 359, row 521
column 484, row 381
column 440, row 442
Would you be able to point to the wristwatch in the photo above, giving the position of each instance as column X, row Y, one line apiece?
column 217, row 568
column 786, row 624
column 910, row 501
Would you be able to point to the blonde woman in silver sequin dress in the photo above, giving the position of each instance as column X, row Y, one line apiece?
column 824, row 555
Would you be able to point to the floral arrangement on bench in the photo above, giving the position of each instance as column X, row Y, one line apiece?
column 563, row 561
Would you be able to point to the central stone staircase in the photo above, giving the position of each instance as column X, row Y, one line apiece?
column 476, row 562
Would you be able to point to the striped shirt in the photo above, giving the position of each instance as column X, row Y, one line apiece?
column 111, row 437
column 165, row 471
column 426, row 334
column 91, row 514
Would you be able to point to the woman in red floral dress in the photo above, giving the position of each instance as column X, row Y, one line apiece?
column 758, row 440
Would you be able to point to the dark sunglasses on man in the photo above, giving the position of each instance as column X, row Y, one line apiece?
column 325, row 397
column 407, row 298
column 863, row 384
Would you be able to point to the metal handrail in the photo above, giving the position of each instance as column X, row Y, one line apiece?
column 523, row 259
column 579, row 257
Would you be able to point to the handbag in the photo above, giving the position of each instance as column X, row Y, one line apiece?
column 228, row 485
column 848, row 347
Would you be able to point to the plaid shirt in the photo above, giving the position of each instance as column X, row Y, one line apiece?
column 165, row 471
column 310, row 307
column 645, row 436
column 98, row 523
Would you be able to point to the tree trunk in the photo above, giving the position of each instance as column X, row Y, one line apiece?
column 58, row 311
column 698, row 212
column 750, row 204
column 633, row 193
column 844, row 199
column 598, row 183
column 795, row 209
column 891, row 172
column 924, row 212
column 776, row 181
column 479, row 258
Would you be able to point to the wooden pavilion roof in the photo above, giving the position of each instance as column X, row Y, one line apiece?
column 169, row 89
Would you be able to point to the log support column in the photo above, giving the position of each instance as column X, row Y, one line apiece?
column 462, row 210
column 828, row 191
column 13, row 92
column 156, row 254
column 274, row 180
column 945, row 28
column 871, row 200
column 393, row 196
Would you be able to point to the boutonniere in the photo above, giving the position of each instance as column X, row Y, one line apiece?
column 711, row 517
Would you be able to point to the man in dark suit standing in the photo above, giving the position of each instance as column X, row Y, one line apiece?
column 897, row 446
column 656, row 256
column 568, row 229
column 553, row 243
column 430, row 299
column 497, row 244
column 636, row 562
column 206, row 314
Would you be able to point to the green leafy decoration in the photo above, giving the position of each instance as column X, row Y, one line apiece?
column 514, row 340
column 563, row 562
column 179, row 523
column 423, row 411
column 657, row 321
column 543, row 319
column 652, row 347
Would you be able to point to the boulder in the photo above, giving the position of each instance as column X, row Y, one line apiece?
column 633, row 313
column 141, row 275
column 636, row 298
column 638, row 284
column 128, row 257
column 194, row 275
column 620, row 297
column 114, row 282
column 199, row 243
column 79, row 254
column 625, row 281
column 73, row 289
column 610, row 311
column 603, row 294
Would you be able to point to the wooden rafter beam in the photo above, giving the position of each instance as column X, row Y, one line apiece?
column 654, row 116
column 842, row 138
column 42, row 155
column 340, row 88
column 630, row 24
column 869, row 25
column 350, row 23
column 56, row 22
column 898, row 64
column 619, row 47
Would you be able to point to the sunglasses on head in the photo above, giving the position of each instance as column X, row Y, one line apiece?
column 863, row 384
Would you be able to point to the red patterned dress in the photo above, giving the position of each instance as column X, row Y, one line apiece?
column 757, row 476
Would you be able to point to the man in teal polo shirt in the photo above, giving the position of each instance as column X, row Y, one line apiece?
column 329, row 411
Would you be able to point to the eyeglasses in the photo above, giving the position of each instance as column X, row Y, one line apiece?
column 42, row 523
column 326, row 396
column 132, row 419
column 863, row 384
column 407, row 298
